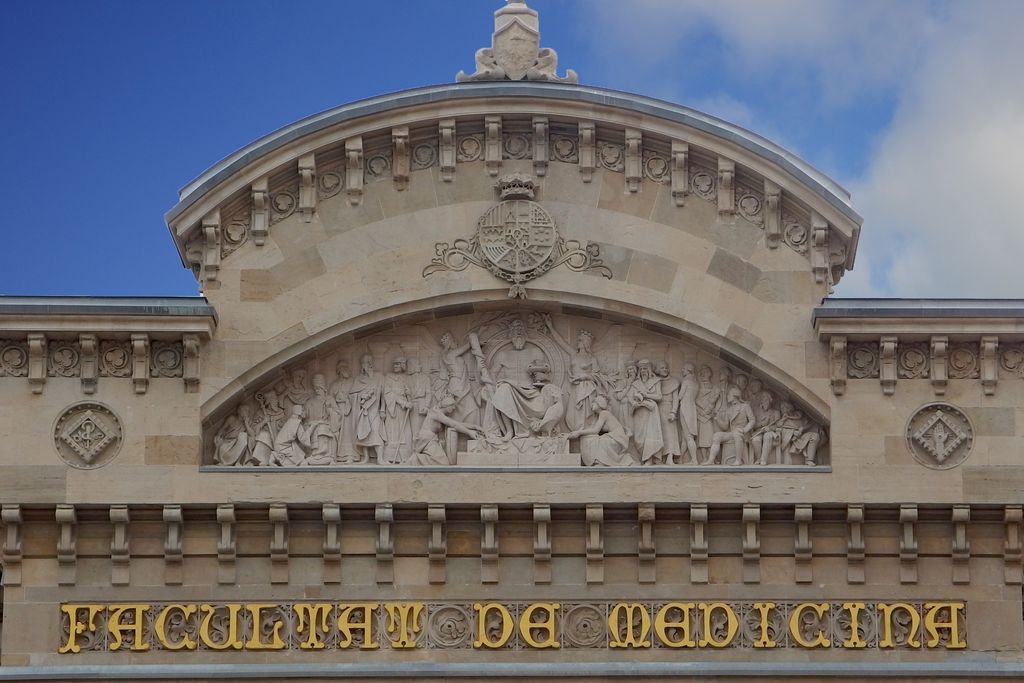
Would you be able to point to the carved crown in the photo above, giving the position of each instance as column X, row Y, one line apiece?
column 516, row 186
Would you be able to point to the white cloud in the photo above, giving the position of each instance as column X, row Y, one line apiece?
column 941, row 194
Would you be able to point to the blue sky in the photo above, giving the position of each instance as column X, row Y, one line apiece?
column 110, row 107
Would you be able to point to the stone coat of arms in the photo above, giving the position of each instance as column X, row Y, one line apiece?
column 517, row 240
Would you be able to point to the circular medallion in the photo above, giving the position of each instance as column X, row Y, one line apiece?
column 940, row 435
column 517, row 236
column 87, row 435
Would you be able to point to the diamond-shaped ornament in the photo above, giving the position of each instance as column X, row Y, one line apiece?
column 87, row 436
column 940, row 435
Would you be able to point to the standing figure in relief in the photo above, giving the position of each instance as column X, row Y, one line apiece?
column 397, row 420
column 754, row 390
column 722, row 409
column 341, row 390
column 292, row 442
column 708, row 397
column 686, row 413
column 231, row 442
column 294, row 389
column 459, row 384
column 666, row 410
column 323, row 418
column 605, row 442
column 269, row 423
column 645, row 397
column 367, row 411
column 765, row 437
column 621, row 395
column 585, row 374
column 427, row 449
column 419, row 393
column 741, row 422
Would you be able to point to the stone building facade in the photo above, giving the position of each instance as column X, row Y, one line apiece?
column 511, row 377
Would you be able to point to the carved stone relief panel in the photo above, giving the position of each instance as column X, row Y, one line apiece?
column 863, row 360
column 940, row 435
column 13, row 358
column 87, row 435
column 517, row 388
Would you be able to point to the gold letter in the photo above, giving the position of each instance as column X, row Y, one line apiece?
column 116, row 628
column 527, row 625
column 186, row 643
column 794, row 625
column 731, row 624
column 887, row 614
column 403, row 619
column 231, row 639
column 255, row 641
column 932, row 625
column 763, row 609
column 662, row 625
column 346, row 625
column 627, row 637
column 311, row 613
column 76, row 627
column 854, row 642
column 507, row 623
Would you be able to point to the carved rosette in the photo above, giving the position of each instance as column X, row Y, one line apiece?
column 87, row 435
column 517, row 241
column 940, row 435
column 863, row 360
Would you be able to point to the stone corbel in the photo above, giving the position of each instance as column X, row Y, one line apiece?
column 646, row 553
column 211, row 246
column 838, row 364
column 855, row 544
column 803, row 545
column 89, row 364
column 37, row 362
column 595, row 543
column 490, row 569
column 541, row 543
column 1012, row 552
column 772, row 214
column 384, row 515
column 961, row 550
column 698, row 544
column 140, row 363
column 634, row 160
column 120, row 555
column 492, row 145
column 307, row 186
column 587, row 150
column 331, row 513
column 174, row 557
column 908, row 543
column 751, row 543
column 226, row 545
column 940, row 368
column 278, row 515
column 67, row 545
column 680, row 172
column 887, row 364
column 540, row 146
column 819, row 248
column 437, row 546
column 726, row 187
column 446, row 149
column 260, row 212
column 400, row 157
column 12, row 552
column 190, row 362
column 354, row 171
column 989, row 364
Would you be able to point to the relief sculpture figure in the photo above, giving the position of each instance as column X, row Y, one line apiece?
column 457, row 373
column 765, row 437
column 686, row 414
column 523, row 411
column 419, row 393
column 605, row 442
column 621, row 394
column 323, row 421
column 740, row 423
column 292, row 441
column 427, row 448
column 585, row 376
column 231, row 443
column 341, row 390
column 645, row 397
column 669, row 426
column 397, row 407
column 367, row 409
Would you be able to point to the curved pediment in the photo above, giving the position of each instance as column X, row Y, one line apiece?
column 516, row 386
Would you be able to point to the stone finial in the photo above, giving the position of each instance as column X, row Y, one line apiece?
column 515, row 53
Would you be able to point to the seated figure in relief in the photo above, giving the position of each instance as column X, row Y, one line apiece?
column 323, row 423
column 514, row 411
column 740, row 419
column 291, row 445
column 605, row 442
column 427, row 448
column 765, row 437
column 271, row 417
column 231, row 442
column 799, row 436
